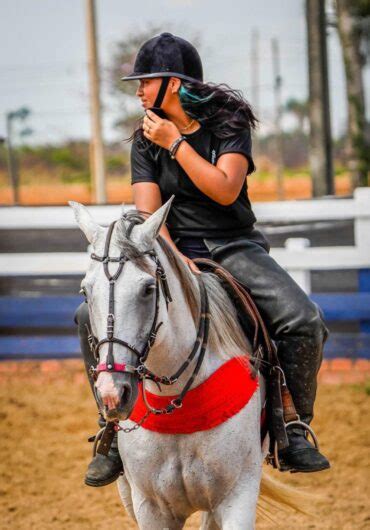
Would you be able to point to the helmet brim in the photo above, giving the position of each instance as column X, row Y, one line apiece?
column 134, row 75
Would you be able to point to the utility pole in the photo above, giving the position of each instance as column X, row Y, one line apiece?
column 255, row 82
column 96, row 143
column 350, row 38
column 255, row 68
column 319, row 107
column 11, row 159
column 19, row 115
column 279, row 146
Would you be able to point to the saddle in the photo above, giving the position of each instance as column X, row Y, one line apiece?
column 280, row 409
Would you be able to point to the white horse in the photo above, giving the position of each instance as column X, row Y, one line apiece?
column 168, row 477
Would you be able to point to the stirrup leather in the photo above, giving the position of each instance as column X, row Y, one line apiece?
column 103, row 439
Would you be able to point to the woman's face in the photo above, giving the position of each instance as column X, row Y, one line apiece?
column 147, row 91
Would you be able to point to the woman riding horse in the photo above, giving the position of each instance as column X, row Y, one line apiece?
column 195, row 142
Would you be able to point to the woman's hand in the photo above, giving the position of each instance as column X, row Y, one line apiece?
column 159, row 131
column 190, row 263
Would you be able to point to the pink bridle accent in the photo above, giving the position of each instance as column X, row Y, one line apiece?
column 102, row 367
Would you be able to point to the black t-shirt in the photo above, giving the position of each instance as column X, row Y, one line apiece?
column 192, row 212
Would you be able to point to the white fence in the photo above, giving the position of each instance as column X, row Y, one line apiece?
column 298, row 258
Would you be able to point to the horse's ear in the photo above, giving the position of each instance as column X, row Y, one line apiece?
column 87, row 224
column 148, row 231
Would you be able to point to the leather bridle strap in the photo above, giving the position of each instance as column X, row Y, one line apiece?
column 201, row 341
column 203, row 318
column 141, row 370
column 110, row 365
column 205, row 322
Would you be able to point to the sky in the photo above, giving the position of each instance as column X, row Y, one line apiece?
column 43, row 57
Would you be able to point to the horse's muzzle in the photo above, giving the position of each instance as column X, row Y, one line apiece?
column 116, row 394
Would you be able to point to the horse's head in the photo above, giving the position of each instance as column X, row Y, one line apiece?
column 125, row 303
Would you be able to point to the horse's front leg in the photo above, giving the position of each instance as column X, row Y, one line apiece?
column 124, row 490
column 150, row 516
column 238, row 510
column 208, row 522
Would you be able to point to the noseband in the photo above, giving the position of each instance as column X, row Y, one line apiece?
column 141, row 370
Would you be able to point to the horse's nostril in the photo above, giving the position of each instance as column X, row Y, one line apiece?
column 126, row 395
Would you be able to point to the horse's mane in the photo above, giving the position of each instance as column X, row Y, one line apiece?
column 225, row 332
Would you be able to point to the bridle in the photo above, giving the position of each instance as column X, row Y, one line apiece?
column 141, row 371
column 110, row 339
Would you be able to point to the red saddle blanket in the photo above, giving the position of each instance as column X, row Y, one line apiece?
column 211, row 403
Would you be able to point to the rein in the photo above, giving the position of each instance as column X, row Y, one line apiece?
column 141, row 371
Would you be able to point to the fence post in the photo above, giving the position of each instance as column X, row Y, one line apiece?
column 301, row 276
column 362, row 240
column 362, row 218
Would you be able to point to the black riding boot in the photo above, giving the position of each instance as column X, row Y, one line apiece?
column 294, row 323
column 102, row 470
column 301, row 455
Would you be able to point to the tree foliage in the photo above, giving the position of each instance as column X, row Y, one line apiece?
column 299, row 109
column 353, row 17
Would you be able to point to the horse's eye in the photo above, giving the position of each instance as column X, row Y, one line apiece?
column 149, row 289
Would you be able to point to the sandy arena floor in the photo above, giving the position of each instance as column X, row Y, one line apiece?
column 46, row 417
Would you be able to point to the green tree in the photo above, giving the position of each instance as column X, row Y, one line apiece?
column 353, row 27
column 299, row 109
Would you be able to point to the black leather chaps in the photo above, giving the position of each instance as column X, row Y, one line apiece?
column 294, row 322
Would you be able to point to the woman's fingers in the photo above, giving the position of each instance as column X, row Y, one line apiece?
column 146, row 123
column 193, row 267
column 190, row 263
column 147, row 128
column 153, row 116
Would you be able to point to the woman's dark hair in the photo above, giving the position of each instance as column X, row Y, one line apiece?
column 217, row 107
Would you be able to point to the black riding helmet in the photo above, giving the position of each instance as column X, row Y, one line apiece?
column 166, row 56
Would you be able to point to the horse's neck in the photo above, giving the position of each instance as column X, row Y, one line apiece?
column 168, row 357
column 179, row 332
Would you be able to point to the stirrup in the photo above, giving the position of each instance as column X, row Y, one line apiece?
column 96, row 439
column 273, row 458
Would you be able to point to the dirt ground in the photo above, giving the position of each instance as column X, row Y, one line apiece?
column 46, row 416
column 299, row 187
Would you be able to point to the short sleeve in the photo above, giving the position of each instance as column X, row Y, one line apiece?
column 239, row 143
column 143, row 166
